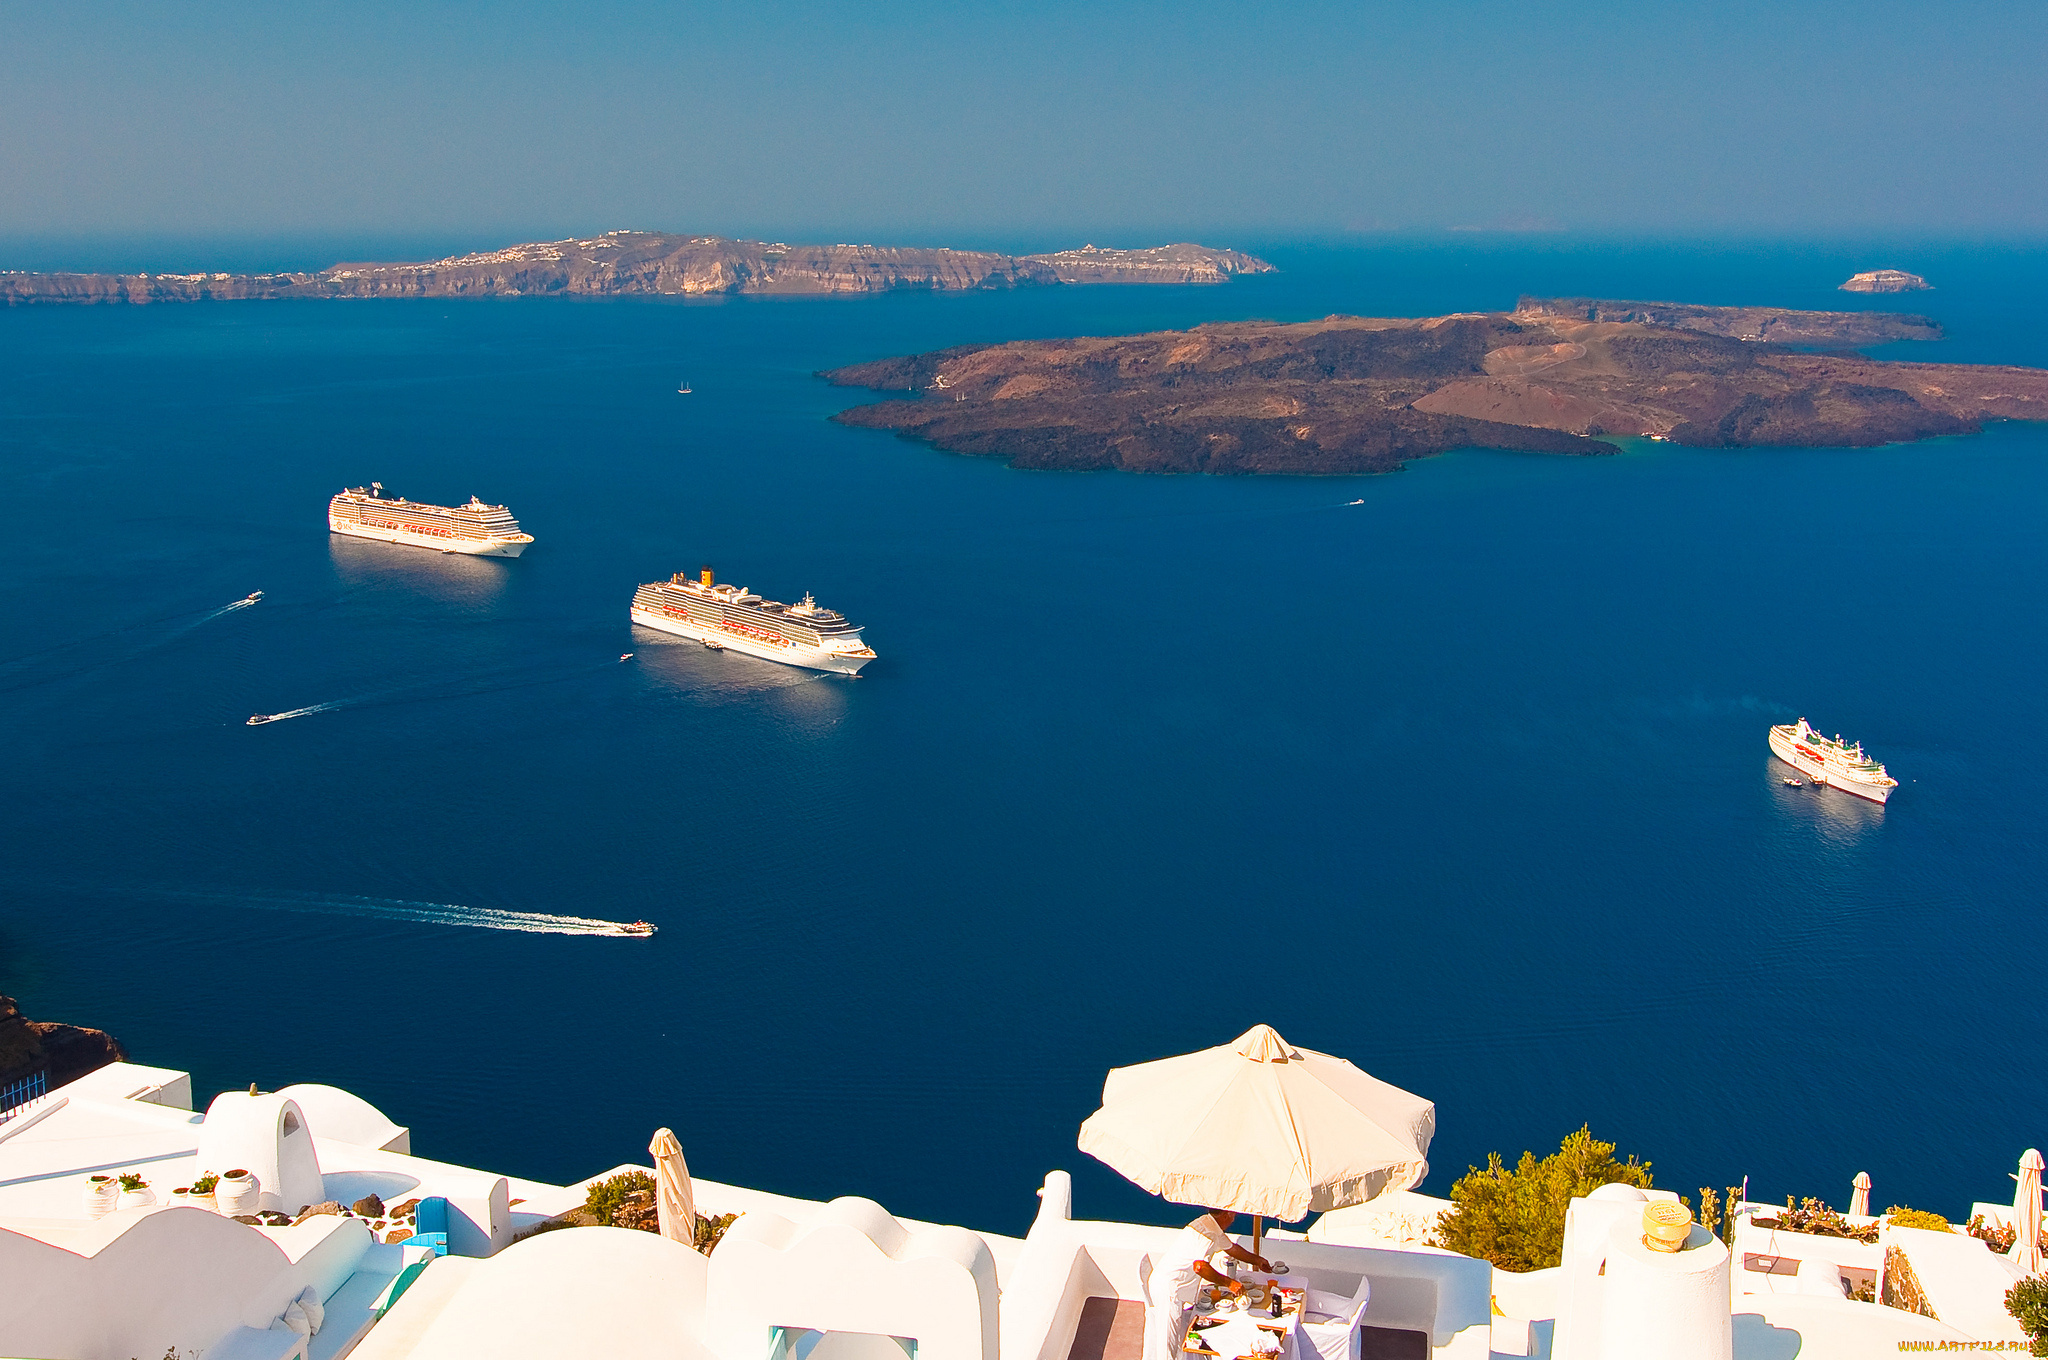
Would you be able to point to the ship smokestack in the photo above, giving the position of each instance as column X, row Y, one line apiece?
column 704, row 576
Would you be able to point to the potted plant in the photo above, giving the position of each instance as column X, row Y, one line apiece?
column 237, row 1193
column 101, row 1192
column 135, row 1192
column 202, row 1192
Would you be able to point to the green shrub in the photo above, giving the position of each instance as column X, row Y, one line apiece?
column 711, row 1230
column 1816, row 1218
column 1999, row 1237
column 1515, row 1218
column 2027, row 1301
column 1916, row 1218
column 606, row 1196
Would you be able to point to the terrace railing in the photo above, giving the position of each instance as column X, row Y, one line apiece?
column 30, row 1087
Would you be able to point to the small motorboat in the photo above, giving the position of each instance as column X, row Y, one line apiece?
column 1794, row 783
column 625, row 656
column 257, row 720
column 636, row 928
column 714, row 644
column 252, row 597
column 1359, row 501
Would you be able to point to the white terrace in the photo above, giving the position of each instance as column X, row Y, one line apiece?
column 792, row 1279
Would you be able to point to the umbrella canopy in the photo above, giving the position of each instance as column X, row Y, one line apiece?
column 1261, row 1127
column 675, row 1204
column 1859, row 1202
column 2026, row 1214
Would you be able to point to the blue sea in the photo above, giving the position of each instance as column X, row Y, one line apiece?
column 1467, row 783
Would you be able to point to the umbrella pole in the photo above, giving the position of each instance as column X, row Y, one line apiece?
column 1255, row 1235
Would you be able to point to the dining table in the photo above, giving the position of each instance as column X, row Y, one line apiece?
column 1238, row 1327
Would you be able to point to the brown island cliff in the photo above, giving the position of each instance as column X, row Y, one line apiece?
column 1356, row 394
column 627, row 263
column 63, row 1053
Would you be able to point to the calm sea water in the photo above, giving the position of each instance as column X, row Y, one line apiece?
column 1467, row 783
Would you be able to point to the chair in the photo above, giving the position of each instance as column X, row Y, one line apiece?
column 1330, row 1322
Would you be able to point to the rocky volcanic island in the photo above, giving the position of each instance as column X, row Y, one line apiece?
column 621, row 263
column 1356, row 394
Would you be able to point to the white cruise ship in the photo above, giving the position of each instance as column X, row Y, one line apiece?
column 1836, row 763
column 477, row 529
column 802, row 634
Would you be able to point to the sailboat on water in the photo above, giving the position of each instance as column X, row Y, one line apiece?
column 685, row 388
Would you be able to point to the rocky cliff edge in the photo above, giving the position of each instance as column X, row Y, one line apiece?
column 66, row 1052
column 627, row 263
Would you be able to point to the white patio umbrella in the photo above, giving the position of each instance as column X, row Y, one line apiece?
column 1261, row 1127
column 2026, row 1214
column 1859, row 1202
column 675, row 1204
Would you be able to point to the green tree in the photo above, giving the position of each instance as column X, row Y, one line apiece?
column 2027, row 1301
column 1515, row 1218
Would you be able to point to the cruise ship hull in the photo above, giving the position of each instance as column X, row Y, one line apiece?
column 788, row 654
column 1808, row 763
column 471, row 547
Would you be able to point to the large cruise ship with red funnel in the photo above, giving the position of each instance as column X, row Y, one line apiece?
column 802, row 634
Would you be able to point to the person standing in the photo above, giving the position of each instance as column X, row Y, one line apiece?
column 1177, row 1276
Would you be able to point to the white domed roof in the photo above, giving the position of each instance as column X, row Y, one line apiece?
column 1615, row 1190
column 345, row 1116
column 576, row 1294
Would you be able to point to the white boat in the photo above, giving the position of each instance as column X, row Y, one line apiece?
column 1833, row 762
column 475, row 529
column 684, row 390
column 636, row 928
column 723, row 616
column 252, row 597
column 626, row 656
column 259, row 719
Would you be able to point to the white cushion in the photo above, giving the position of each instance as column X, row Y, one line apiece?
column 296, row 1319
column 315, row 1311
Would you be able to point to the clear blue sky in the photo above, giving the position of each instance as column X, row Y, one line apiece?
column 958, row 123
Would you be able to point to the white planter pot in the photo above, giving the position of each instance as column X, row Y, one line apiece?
column 100, row 1198
column 138, row 1199
column 205, row 1202
column 238, row 1195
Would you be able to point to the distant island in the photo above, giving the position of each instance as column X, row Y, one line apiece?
column 1832, row 330
column 1354, row 394
column 627, row 263
column 1885, row 281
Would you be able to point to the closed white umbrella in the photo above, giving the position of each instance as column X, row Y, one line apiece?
column 1859, row 1202
column 1260, row 1127
column 2026, row 1214
column 675, row 1204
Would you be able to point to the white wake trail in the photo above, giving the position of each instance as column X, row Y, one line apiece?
column 148, row 645
column 393, row 909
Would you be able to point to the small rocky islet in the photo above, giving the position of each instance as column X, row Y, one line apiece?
column 1885, row 281
column 1357, row 394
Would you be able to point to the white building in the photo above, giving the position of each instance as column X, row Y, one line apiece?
column 797, row 1279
